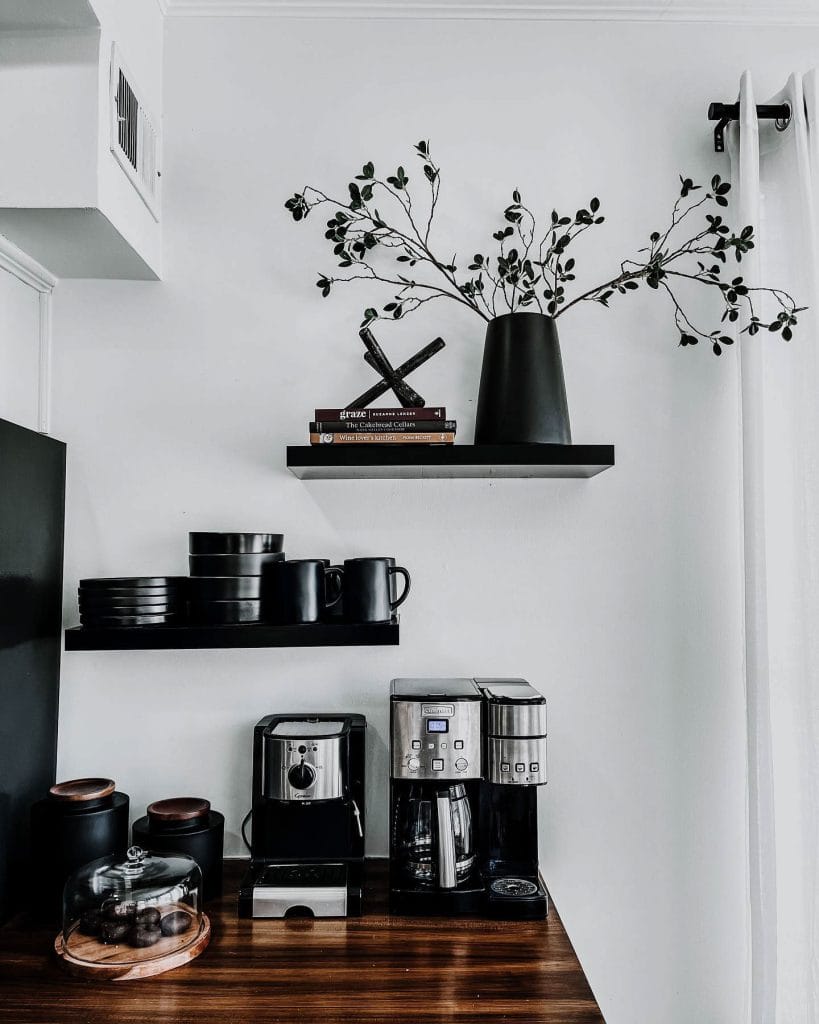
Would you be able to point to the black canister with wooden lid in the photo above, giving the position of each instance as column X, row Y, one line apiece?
column 77, row 822
column 186, row 825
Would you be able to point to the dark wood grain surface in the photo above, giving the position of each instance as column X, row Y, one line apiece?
column 376, row 968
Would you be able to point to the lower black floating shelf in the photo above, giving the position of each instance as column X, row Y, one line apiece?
column 250, row 634
column 417, row 461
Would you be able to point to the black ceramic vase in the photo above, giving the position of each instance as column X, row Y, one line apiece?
column 522, row 397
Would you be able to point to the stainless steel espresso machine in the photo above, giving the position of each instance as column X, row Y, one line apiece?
column 467, row 758
column 307, row 846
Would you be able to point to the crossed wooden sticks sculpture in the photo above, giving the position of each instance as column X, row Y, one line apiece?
column 392, row 377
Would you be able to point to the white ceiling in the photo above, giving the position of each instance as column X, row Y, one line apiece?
column 34, row 15
column 759, row 12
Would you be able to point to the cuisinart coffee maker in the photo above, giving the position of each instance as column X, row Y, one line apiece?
column 307, row 847
column 467, row 758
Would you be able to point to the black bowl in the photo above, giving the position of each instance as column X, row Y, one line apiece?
column 221, row 613
column 250, row 564
column 235, row 543
column 224, row 588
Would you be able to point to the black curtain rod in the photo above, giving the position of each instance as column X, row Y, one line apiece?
column 723, row 113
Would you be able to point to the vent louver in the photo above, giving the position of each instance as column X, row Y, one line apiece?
column 134, row 139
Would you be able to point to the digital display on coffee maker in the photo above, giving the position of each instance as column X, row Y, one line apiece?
column 437, row 725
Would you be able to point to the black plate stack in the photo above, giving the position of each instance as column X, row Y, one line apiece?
column 226, row 575
column 132, row 601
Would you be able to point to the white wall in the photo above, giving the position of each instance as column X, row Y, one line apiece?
column 19, row 352
column 619, row 596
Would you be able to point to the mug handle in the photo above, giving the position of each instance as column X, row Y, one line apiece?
column 407, row 582
column 329, row 571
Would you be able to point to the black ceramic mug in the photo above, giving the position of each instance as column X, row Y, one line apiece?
column 296, row 591
column 367, row 589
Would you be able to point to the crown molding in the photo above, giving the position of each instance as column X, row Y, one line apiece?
column 24, row 268
column 761, row 12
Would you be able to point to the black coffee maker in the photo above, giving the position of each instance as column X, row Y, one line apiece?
column 307, row 846
column 435, row 726
column 468, row 756
column 514, row 731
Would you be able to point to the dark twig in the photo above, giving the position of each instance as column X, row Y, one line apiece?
column 526, row 273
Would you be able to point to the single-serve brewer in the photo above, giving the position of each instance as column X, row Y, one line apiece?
column 467, row 758
column 307, row 846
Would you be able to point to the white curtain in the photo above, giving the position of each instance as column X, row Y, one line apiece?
column 776, row 181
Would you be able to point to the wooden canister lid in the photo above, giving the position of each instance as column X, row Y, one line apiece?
column 181, row 808
column 79, row 790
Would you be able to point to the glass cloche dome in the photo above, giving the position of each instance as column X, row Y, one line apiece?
column 142, row 913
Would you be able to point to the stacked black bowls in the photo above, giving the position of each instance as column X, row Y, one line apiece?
column 226, row 575
column 132, row 601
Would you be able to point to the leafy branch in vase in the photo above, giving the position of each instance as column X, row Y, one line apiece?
column 530, row 270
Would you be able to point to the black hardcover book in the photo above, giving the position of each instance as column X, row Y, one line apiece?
column 428, row 412
column 396, row 425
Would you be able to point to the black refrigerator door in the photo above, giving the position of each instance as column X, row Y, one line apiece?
column 32, row 515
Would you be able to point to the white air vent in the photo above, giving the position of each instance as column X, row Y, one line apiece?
column 134, row 140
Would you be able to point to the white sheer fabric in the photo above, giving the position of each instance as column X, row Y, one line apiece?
column 776, row 176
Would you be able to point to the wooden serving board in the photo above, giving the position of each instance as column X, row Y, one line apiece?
column 86, row 956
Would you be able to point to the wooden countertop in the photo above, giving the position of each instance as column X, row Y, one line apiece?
column 374, row 968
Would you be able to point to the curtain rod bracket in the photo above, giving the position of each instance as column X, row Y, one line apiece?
column 724, row 113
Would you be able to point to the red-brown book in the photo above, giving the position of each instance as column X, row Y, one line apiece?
column 433, row 437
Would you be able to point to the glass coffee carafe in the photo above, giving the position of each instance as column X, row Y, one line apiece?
column 436, row 841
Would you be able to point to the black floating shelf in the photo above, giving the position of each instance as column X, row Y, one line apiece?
column 418, row 461
column 251, row 634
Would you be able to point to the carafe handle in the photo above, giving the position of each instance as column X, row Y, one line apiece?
column 447, row 878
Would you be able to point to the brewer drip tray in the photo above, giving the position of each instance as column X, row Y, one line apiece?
column 516, row 897
column 300, row 890
column 513, row 887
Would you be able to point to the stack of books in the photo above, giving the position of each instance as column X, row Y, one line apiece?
column 404, row 425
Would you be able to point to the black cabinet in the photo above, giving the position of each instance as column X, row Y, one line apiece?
column 32, row 512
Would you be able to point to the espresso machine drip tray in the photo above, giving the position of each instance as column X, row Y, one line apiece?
column 299, row 890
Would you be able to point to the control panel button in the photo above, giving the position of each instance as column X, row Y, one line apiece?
column 443, row 746
column 459, row 744
column 504, row 766
column 416, row 744
column 437, row 764
column 413, row 764
column 534, row 767
column 520, row 767
column 462, row 764
column 430, row 746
